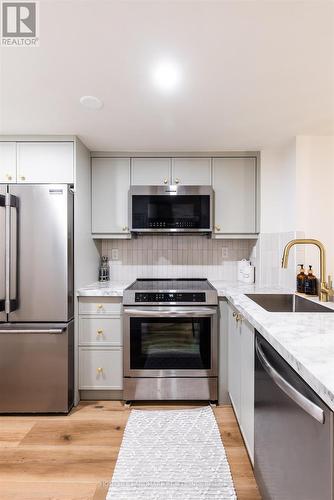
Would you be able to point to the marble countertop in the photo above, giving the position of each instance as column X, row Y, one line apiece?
column 107, row 289
column 116, row 288
column 304, row 340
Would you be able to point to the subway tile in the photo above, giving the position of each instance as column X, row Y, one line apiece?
column 176, row 256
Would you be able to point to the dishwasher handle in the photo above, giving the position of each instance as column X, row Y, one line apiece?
column 308, row 406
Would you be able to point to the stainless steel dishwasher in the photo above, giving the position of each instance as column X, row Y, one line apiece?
column 293, row 457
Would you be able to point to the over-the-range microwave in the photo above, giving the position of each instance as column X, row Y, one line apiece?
column 173, row 208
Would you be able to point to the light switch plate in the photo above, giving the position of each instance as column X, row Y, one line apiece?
column 114, row 254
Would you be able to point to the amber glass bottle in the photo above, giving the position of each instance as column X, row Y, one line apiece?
column 310, row 283
column 301, row 276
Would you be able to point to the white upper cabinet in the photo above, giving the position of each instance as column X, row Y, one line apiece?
column 7, row 162
column 110, row 188
column 191, row 171
column 45, row 162
column 234, row 183
column 150, row 171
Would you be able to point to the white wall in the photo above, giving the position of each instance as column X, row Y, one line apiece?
column 315, row 194
column 297, row 201
column 278, row 186
column 278, row 216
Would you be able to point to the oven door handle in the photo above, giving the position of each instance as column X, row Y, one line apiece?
column 171, row 313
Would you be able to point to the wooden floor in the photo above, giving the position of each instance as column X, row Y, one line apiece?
column 73, row 457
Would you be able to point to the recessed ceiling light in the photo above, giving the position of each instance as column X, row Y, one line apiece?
column 166, row 76
column 91, row 102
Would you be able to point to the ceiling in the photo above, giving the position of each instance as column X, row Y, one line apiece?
column 253, row 74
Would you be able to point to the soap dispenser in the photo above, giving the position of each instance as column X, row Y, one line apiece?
column 310, row 283
column 301, row 277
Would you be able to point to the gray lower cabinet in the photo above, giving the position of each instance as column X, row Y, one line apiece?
column 241, row 374
column 110, row 188
column 235, row 187
column 100, row 344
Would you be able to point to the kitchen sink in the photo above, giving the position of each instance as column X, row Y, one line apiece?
column 287, row 302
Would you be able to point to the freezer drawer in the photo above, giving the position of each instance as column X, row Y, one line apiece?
column 293, row 432
column 37, row 368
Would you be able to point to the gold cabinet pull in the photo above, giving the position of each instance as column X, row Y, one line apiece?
column 23, row 178
column 234, row 314
column 165, row 181
column 100, row 306
column 125, row 228
column 217, row 228
column 99, row 331
column 177, row 181
column 8, row 177
column 99, row 370
column 239, row 317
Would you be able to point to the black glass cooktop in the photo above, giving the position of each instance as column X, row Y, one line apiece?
column 171, row 284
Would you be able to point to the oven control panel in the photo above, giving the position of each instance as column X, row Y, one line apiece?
column 170, row 297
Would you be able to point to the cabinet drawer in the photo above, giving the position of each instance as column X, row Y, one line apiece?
column 97, row 330
column 110, row 305
column 101, row 368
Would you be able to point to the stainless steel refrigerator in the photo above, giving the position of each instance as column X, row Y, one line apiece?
column 36, row 299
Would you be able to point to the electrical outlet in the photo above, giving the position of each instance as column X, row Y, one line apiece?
column 114, row 254
column 224, row 252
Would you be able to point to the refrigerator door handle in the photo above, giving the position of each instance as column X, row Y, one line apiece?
column 12, row 237
column 3, row 256
column 34, row 330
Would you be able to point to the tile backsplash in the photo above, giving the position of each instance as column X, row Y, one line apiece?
column 176, row 257
column 269, row 250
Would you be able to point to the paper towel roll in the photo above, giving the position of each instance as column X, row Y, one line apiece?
column 242, row 264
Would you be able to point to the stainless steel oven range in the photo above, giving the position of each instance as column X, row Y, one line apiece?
column 170, row 340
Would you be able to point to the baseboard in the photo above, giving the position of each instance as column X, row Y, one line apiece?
column 94, row 395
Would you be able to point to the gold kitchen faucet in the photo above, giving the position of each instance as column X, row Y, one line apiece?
column 326, row 288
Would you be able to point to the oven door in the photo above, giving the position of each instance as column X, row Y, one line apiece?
column 170, row 342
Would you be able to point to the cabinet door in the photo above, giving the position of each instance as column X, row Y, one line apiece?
column 191, row 171
column 234, row 183
column 45, row 162
column 150, row 171
column 247, row 386
column 110, row 188
column 234, row 373
column 7, row 162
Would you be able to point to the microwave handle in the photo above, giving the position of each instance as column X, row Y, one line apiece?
column 171, row 313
